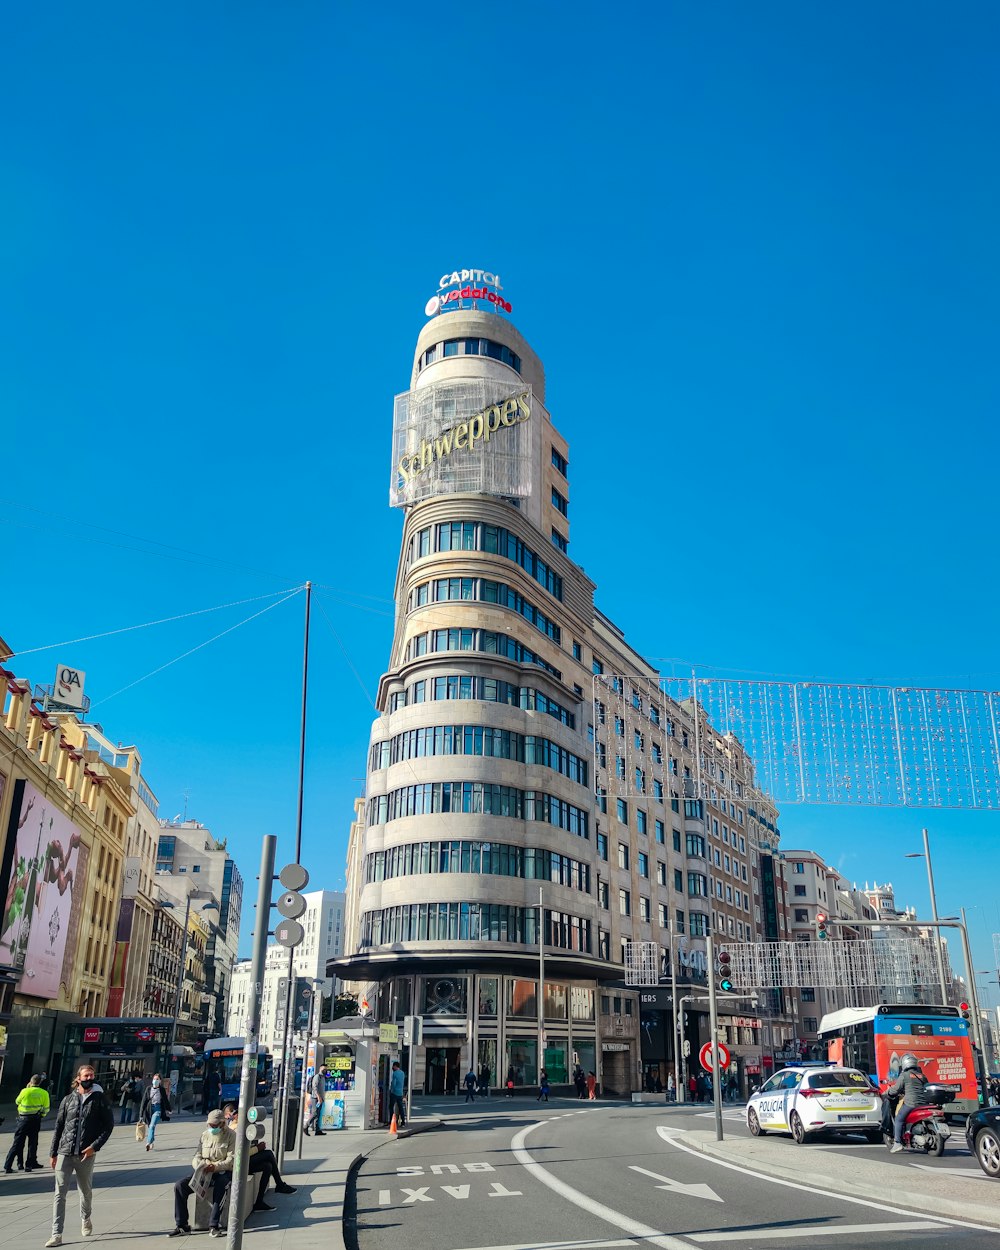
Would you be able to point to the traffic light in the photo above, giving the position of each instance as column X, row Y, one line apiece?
column 965, row 1011
column 724, row 963
column 822, row 932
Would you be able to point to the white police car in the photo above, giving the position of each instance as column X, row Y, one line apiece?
column 808, row 1100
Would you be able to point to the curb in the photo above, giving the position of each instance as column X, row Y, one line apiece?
column 927, row 1204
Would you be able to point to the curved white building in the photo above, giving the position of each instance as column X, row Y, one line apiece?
column 481, row 782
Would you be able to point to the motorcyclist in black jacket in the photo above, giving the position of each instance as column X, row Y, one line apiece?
column 912, row 1085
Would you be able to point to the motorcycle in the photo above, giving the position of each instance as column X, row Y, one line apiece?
column 925, row 1129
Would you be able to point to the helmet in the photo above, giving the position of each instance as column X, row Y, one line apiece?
column 908, row 1063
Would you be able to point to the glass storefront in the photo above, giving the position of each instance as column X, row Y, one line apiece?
column 521, row 1060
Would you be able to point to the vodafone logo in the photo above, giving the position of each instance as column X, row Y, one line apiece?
column 472, row 284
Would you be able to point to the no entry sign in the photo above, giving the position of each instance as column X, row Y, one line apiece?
column 705, row 1055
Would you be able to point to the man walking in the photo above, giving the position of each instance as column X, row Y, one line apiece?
column 84, row 1123
column 317, row 1087
column 397, row 1086
column 471, row 1081
column 32, row 1106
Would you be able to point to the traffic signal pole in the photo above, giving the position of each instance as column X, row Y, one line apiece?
column 246, row 1111
column 713, row 1022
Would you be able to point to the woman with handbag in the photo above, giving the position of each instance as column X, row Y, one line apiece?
column 155, row 1104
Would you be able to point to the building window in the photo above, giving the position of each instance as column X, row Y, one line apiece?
column 560, row 503
column 577, row 650
column 622, row 811
column 801, row 915
column 798, row 868
column 559, row 540
column 810, row 1024
column 678, row 880
column 622, row 855
column 800, row 891
column 808, row 995
column 644, row 909
column 661, row 833
column 643, row 864
column 640, row 821
column 559, row 462
column 661, row 874
column 602, row 845
column 624, row 903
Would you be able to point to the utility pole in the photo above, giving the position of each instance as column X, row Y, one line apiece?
column 247, row 1112
column 288, row 1061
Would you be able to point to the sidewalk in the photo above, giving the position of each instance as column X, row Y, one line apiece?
column 934, row 1191
column 133, row 1190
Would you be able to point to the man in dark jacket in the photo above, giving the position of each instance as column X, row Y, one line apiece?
column 911, row 1083
column 84, row 1123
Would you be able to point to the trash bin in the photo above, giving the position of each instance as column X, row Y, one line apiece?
column 292, row 1121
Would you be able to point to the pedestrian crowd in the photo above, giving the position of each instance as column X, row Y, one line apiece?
column 85, row 1120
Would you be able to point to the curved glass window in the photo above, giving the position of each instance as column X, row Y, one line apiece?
column 470, row 347
column 473, row 922
column 498, row 859
column 480, row 589
column 483, row 690
column 479, row 797
column 486, row 640
column 479, row 740
column 495, row 539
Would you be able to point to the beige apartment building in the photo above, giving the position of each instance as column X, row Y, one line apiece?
column 63, row 818
column 525, row 759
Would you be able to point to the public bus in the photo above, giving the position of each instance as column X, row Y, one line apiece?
column 224, row 1062
column 875, row 1039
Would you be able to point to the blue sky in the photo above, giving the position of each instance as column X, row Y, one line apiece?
column 755, row 246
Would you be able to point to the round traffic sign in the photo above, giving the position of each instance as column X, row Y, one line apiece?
column 705, row 1055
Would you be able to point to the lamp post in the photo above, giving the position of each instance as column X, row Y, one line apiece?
column 926, row 854
column 166, row 903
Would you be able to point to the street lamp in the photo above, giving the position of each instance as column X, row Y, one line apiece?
column 926, row 854
column 166, row 903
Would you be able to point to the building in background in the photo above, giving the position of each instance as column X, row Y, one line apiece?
column 323, row 922
column 916, row 978
column 523, row 746
column 64, row 813
column 196, row 875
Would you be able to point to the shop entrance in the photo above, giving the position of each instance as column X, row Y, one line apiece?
column 443, row 1069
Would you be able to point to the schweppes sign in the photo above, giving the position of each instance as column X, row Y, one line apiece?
column 466, row 437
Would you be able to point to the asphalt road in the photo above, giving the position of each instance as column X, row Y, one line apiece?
column 956, row 1157
column 567, row 1176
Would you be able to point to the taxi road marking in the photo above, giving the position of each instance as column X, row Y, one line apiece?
column 458, row 1192
column 835, row 1230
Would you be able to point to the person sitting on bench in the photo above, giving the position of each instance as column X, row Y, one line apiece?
column 262, row 1163
column 216, row 1152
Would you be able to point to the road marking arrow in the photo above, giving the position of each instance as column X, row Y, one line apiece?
column 677, row 1187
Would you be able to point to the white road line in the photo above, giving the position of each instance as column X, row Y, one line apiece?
column 559, row 1245
column 670, row 1135
column 834, row 1230
column 624, row 1222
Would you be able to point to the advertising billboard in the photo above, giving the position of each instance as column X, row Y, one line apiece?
column 462, row 435
column 38, row 902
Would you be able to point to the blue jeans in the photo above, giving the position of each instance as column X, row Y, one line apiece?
column 154, row 1119
column 899, row 1121
column 126, row 1114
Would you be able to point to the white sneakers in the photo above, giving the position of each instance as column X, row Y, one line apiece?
column 87, row 1229
column 895, row 1148
column 54, row 1240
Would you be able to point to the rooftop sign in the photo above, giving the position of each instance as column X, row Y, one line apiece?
column 476, row 285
